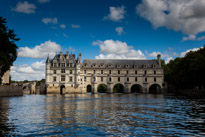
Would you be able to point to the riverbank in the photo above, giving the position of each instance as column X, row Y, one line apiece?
column 190, row 93
column 10, row 91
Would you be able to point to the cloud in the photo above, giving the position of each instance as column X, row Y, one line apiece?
column 65, row 35
column 111, row 49
column 119, row 30
column 185, row 52
column 116, row 14
column 168, row 59
column 63, row 26
column 75, row 26
column 24, row 7
column 190, row 37
column 35, row 71
column 43, row 1
column 187, row 16
column 50, row 20
column 201, row 38
column 40, row 51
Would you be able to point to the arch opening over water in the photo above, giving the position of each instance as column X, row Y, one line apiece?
column 118, row 88
column 88, row 89
column 136, row 88
column 62, row 88
column 102, row 88
column 155, row 89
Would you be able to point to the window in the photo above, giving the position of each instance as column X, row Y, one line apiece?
column 127, row 79
column 145, row 80
column 118, row 71
column 127, row 71
column 135, row 79
column 62, row 70
column 55, row 64
column 101, row 71
column 101, row 79
column 155, row 79
column 127, row 65
column 54, row 71
column 155, row 72
column 93, row 71
column 63, row 78
column 84, row 78
column 94, row 79
column 109, row 71
column 145, row 72
column 70, row 79
column 118, row 79
column 71, row 72
column 84, row 71
column 135, row 71
column 110, row 79
column 54, row 79
column 62, row 64
column 71, row 65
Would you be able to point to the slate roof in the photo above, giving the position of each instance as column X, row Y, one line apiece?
column 115, row 62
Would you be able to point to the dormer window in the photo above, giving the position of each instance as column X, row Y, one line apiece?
column 101, row 65
column 145, row 66
column 118, row 65
column 154, row 66
column 127, row 66
column 135, row 66
column 85, row 65
column 94, row 65
column 109, row 65
column 54, row 64
column 62, row 64
column 71, row 64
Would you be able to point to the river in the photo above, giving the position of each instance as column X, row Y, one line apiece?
column 102, row 115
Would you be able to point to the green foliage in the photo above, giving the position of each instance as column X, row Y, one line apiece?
column 8, row 53
column 187, row 72
column 102, row 88
column 118, row 88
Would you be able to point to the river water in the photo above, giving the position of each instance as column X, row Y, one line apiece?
column 101, row 115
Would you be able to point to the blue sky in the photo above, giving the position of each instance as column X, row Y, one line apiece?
column 121, row 29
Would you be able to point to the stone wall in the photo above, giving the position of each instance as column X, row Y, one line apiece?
column 9, row 90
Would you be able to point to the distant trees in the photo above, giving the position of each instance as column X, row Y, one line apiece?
column 8, row 48
column 187, row 72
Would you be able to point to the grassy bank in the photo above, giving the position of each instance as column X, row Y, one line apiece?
column 190, row 93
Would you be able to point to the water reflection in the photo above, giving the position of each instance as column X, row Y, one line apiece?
column 102, row 115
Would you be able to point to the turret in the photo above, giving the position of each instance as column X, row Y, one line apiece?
column 61, row 55
column 79, row 58
column 159, row 59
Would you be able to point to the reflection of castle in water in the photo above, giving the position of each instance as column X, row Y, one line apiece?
column 66, row 74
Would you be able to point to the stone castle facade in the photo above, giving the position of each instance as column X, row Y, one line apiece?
column 66, row 74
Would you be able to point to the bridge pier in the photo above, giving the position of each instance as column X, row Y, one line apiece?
column 109, row 88
column 94, row 89
column 127, row 88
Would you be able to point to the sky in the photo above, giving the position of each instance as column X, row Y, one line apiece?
column 101, row 29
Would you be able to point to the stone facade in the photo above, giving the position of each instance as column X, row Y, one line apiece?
column 5, row 77
column 65, row 74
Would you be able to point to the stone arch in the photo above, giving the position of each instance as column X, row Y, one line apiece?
column 62, row 88
column 155, row 89
column 118, row 88
column 136, row 88
column 89, row 88
column 102, row 88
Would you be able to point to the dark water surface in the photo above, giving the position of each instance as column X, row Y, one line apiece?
column 101, row 115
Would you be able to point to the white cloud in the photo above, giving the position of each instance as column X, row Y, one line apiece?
column 201, row 38
column 190, row 37
column 168, row 59
column 187, row 16
column 185, row 52
column 119, row 30
column 65, row 35
column 50, row 20
column 116, row 14
column 75, row 26
column 117, row 50
column 35, row 71
column 40, row 51
column 43, row 1
column 63, row 26
column 24, row 7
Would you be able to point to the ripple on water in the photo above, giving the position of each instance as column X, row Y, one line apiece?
column 101, row 115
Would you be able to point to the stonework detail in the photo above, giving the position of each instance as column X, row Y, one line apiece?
column 65, row 74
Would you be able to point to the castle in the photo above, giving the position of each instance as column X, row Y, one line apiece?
column 66, row 74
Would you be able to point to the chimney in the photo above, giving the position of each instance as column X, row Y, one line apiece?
column 61, row 55
column 159, row 59
column 79, row 58
column 67, row 55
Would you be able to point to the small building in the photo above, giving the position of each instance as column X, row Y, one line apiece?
column 65, row 74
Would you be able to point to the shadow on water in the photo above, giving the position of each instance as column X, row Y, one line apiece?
column 102, row 115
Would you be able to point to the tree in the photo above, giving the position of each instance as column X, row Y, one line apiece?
column 8, row 48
